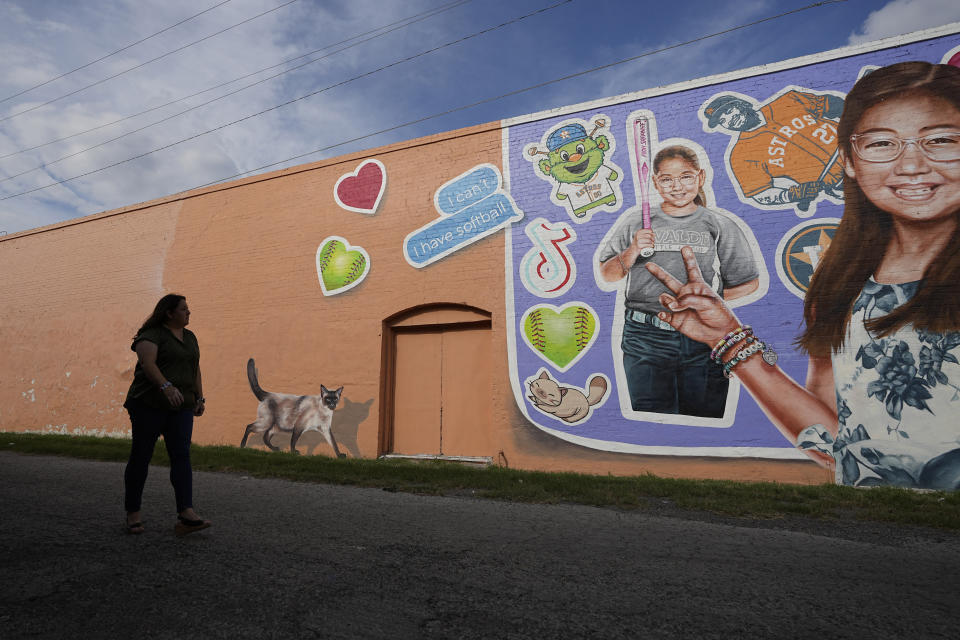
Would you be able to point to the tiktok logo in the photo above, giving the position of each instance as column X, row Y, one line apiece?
column 548, row 270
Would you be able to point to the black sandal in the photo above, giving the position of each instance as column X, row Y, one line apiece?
column 134, row 528
column 185, row 526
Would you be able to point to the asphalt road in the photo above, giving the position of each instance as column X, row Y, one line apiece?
column 292, row 560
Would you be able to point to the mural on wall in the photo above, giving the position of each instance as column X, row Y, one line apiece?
column 340, row 266
column 566, row 403
column 782, row 153
column 664, row 371
column 287, row 413
column 800, row 251
column 548, row 269
column 578, row 166
column 471, row 206
column 699, row 351
column 560, row 335
column 362, row 190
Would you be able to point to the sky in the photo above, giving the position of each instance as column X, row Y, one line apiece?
column 116, row 124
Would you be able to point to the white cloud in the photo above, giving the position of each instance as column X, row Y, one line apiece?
column 903, row 16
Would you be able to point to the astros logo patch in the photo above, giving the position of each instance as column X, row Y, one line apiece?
column 801, row 250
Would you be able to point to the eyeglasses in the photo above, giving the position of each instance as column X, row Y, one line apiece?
column 686, row 180
column 883, row 147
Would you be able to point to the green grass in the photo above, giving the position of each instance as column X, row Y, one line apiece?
column 737, row 499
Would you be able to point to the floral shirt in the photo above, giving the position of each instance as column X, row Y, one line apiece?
column 898, row 401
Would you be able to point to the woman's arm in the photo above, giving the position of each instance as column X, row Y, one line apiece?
column 700, row 314
column 789, row 406
column 741, row 289
column 147, row 357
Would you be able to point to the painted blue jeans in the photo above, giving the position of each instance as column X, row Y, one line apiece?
column 668, row 372
column 148, row 424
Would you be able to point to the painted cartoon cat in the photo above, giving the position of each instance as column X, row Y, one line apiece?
column 290, row 413
column 567, row 403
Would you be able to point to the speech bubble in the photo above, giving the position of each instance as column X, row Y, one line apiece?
column 483, row 211
column 473, row 186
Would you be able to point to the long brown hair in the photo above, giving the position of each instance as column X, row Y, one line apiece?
column 865, row 230
column 166, row 304
column 685, row 154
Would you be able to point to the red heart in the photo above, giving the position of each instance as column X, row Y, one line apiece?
column 362, row 190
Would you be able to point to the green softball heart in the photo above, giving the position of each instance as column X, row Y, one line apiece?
column 560, row 335
column 339, row 266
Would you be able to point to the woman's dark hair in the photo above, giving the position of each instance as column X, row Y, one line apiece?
column 685, row 154
column 167, row 304
column 864, row 232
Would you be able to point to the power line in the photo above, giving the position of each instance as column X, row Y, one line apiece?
column 143, row 64
column 503, row 95
column 303, row 97
column 430, row 117
column 418, row 18
column 102, row 58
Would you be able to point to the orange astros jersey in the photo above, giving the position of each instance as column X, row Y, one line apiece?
column 796, row 142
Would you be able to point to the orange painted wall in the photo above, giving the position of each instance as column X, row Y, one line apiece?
column 244, row 255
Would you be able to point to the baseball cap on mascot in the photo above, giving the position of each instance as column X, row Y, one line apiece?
column 716, row 108
column 565, row 134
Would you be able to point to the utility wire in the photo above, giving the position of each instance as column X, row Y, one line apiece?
column 409, row 20
column 143, row 64
column 102, row 58
column 433, row 116
column 313, row 93
column 226, row 95
column 501, row 96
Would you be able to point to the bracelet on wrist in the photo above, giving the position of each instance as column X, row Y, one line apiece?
column 740, row 333
column 165, row 385
column 767, row 353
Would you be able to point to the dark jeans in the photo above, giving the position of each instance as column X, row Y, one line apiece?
column 148, row 424
column 668, row 372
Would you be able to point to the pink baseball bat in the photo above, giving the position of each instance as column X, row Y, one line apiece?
column 642, row 150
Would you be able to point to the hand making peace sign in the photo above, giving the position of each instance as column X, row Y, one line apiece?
column 696, row 310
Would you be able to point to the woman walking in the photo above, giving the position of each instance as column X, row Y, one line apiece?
column 166, row 394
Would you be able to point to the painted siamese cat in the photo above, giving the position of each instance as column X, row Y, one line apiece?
column 567, row 403
column 290, row 413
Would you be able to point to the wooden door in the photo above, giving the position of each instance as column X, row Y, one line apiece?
column 439, row 394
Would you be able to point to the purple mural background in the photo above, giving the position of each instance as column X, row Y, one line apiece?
column 776, row 316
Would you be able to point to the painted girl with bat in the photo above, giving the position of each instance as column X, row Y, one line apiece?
column 667, row 372
column 883, row 312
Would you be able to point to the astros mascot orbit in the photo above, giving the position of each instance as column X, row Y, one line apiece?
column 579, row 164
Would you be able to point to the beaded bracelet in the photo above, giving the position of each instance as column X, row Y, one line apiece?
column 744, row 353
column 717, row 353
column 767, row 353
column 730, row 342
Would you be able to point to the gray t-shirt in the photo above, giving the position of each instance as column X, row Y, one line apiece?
column 721, row 248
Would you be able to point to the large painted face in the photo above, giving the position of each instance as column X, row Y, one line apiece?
column 678, row 182
column 576, row 161
column 911, row 187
